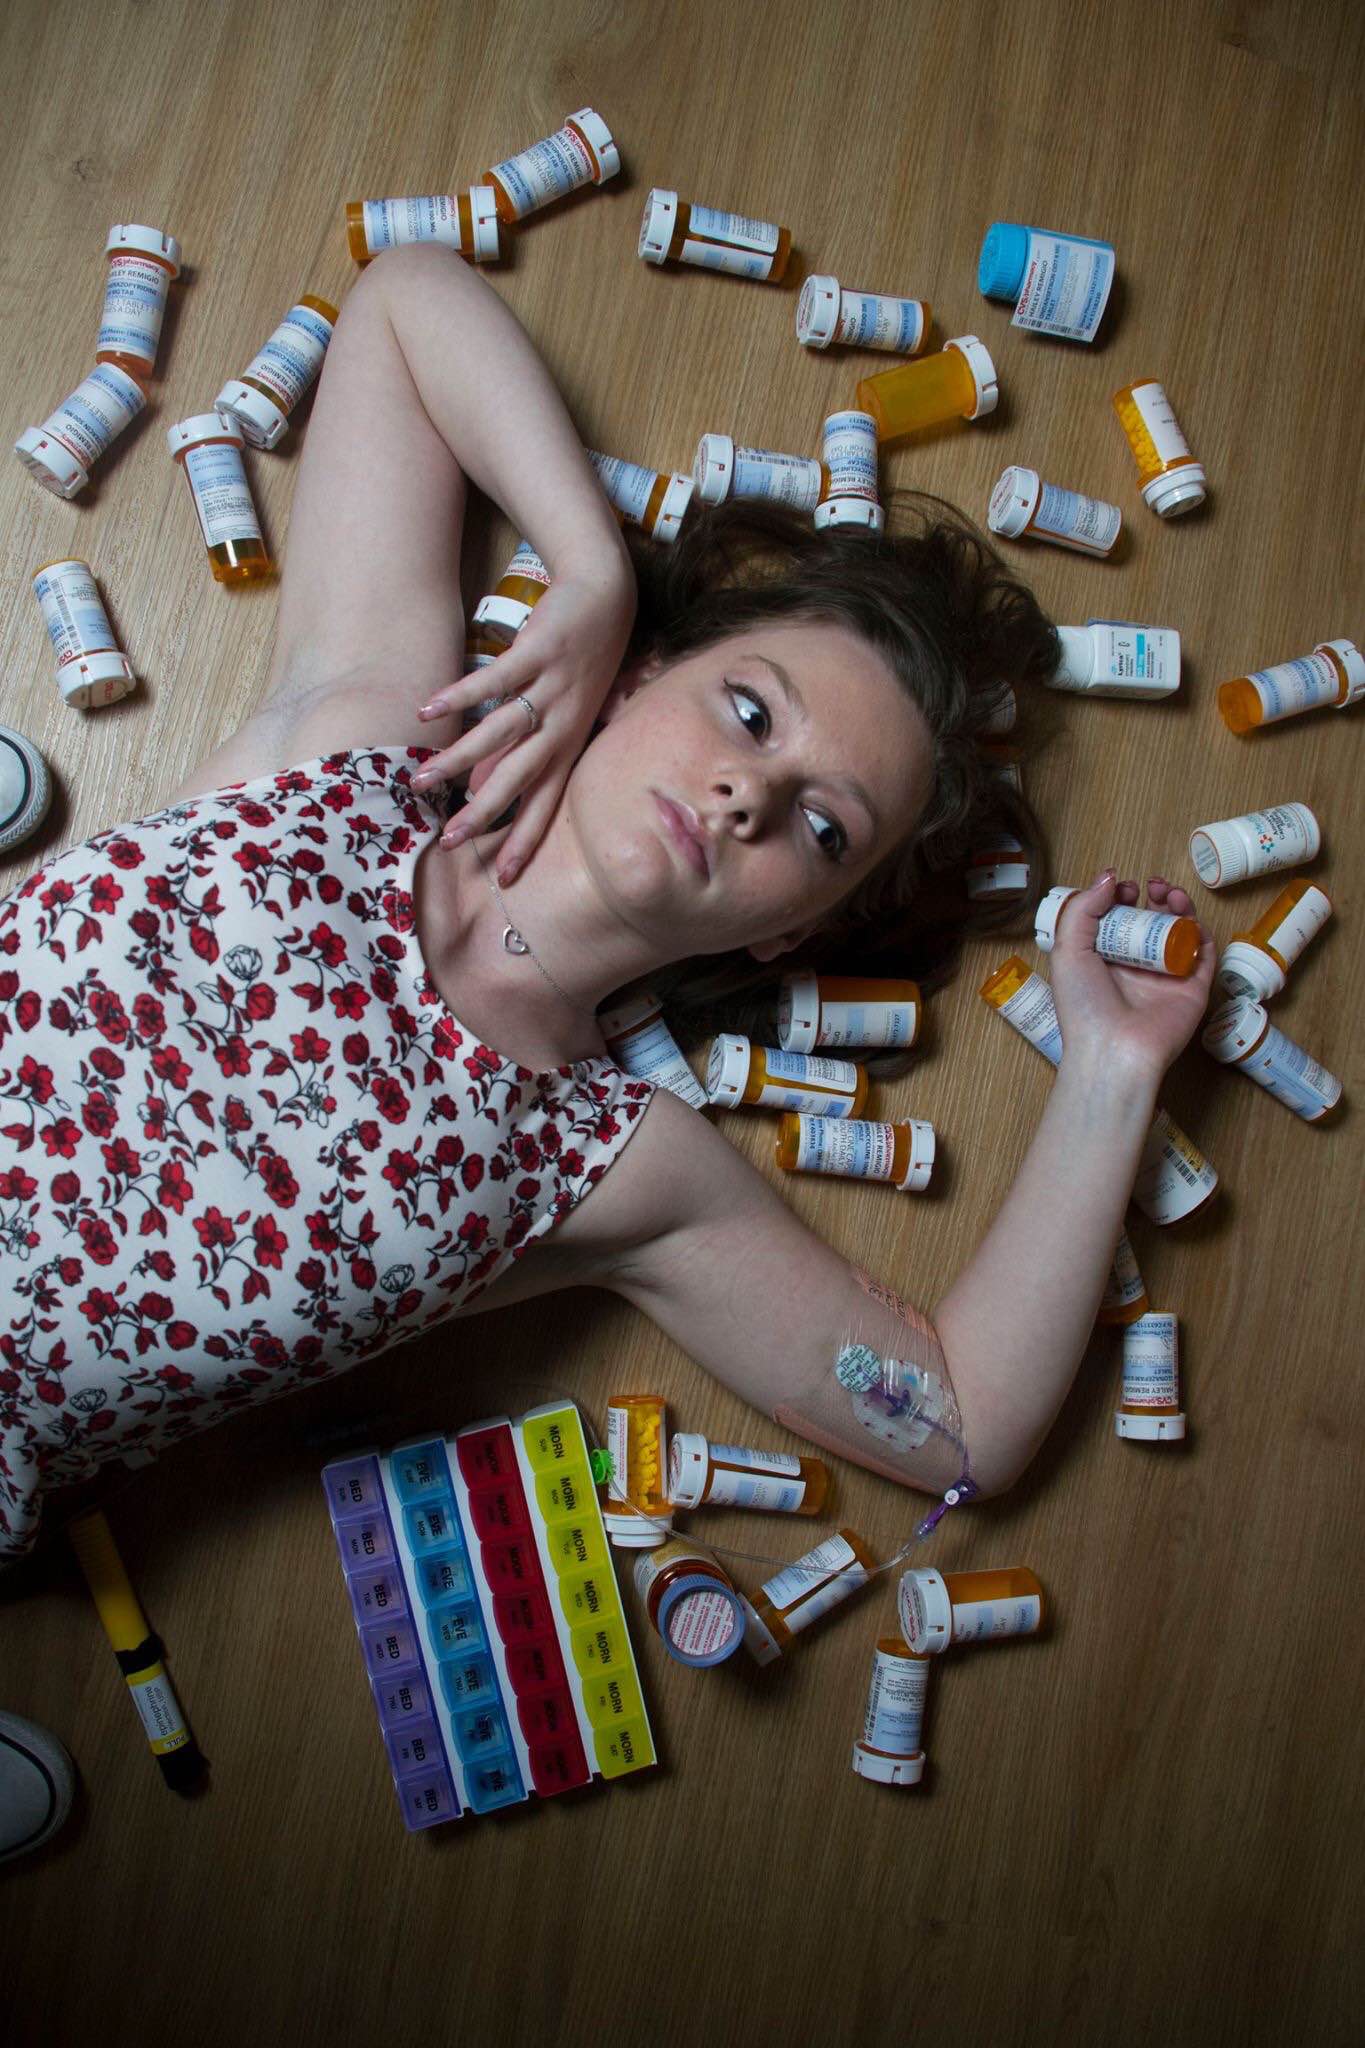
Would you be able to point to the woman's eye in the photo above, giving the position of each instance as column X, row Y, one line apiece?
column 829, row 834
column 750, row 701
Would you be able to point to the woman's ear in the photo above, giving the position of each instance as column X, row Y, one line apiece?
column 630, row 677
column 773, row 949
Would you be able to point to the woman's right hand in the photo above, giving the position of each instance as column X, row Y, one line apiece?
column 1125, row 1016
column 563, row 661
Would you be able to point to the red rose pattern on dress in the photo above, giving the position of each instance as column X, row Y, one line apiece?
column 243, row 1142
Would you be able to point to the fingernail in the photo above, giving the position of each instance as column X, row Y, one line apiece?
column 430, row 710
column 508, row 872
column 421, row 778
column 1104, row 875
column 454, row 835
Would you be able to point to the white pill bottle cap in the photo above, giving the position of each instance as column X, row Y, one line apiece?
column 727, row 1071
column 817, row 311
column 1244, row 970
column 688, row 1457
column 888, row 1770
column 657, row 223
column 798, row 1012
column 1014, row 500
column 1046, row 915
column 978, row 360
column 925, row 1611
column 1353, row 661
column 140, row 241
column 713, row 468
column 923, row 1148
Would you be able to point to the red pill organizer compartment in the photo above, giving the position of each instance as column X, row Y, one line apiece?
column 488, row 1615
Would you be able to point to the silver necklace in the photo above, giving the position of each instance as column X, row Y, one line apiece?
column 512, row 940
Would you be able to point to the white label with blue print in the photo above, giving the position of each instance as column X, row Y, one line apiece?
column 1293, row 686
column 292, row 357
column 894, row 1720
column 222, row 495
column 97, row 410
column 1066, row 286
column 981, row 1621
column 769, row 1479
column 1292, row 1076
column 874, row 320
column 733, row 242
column 1076, row 521
column 816, row 1582
column 547, row 170
column 1033, row 1014
column 134, row 302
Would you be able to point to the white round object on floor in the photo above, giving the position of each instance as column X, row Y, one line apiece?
column 25, row 788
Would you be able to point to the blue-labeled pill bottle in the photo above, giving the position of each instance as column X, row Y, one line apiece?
column 1058, row 284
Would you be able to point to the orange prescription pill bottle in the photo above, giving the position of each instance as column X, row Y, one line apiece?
column 891, row 1750
column 1334, row 673
column 673, row 230
column 509, row 604
column 1156, row 940
column 939, row 1608
column 1240, row 1034
column 902, row 1153
column 846, row 1009
column 1170, row 479
column 143, row 263
column 849, row 489
column 828, row 311
column 826, row 1576
column 760, row 1077
column 61, row 453
column 691, row 1601
column 636, row 1508
column 703, row 1474
column 1125, row 1291
column 275, row 379
column 1149, row 1411
column 208, row 447
column 582, row 152
column 652, row 499
column 91, row 668
column 957, row 382
column 720, row 470
column 1022, row 506
column 466, row 222
column 638, row 1039
column 1257, row 963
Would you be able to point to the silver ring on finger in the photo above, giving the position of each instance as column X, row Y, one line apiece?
column 529, row 708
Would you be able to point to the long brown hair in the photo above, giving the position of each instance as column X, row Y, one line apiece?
column 934, row 599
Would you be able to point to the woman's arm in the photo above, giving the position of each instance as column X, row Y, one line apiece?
column 430, row 380
column 684, row 1228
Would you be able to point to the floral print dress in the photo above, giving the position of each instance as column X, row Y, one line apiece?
column 243, row 1142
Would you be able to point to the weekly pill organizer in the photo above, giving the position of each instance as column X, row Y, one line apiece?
column 488, row 1613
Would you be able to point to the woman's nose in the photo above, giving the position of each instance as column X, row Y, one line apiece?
column 742, row 799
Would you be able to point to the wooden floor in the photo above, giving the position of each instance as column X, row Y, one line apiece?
column 1148, row 1824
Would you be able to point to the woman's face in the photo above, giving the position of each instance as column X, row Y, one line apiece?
column 734, row 798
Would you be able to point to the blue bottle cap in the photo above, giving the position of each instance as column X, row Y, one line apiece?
column 1004, row 254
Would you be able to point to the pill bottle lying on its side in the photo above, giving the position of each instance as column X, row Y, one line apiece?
column 582, row 152
column 959, row 382
column 890, row 1749
column 1114, row 658
column 143, row 263
column 91, row 669
column 466, row 222
column 1022, row 506
column 1149, row 1411
column 722, row 471
column 827, row 312
column 1257, row 963
column 62, row 452
column 1240, row 1034
column 1059, row 284
column 1334, row 673
column 673, row 230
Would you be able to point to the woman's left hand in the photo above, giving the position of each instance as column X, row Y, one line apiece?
column 1125, row 1013
column 563, row 662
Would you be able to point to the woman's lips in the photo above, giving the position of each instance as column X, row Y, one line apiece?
column 681, row 832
